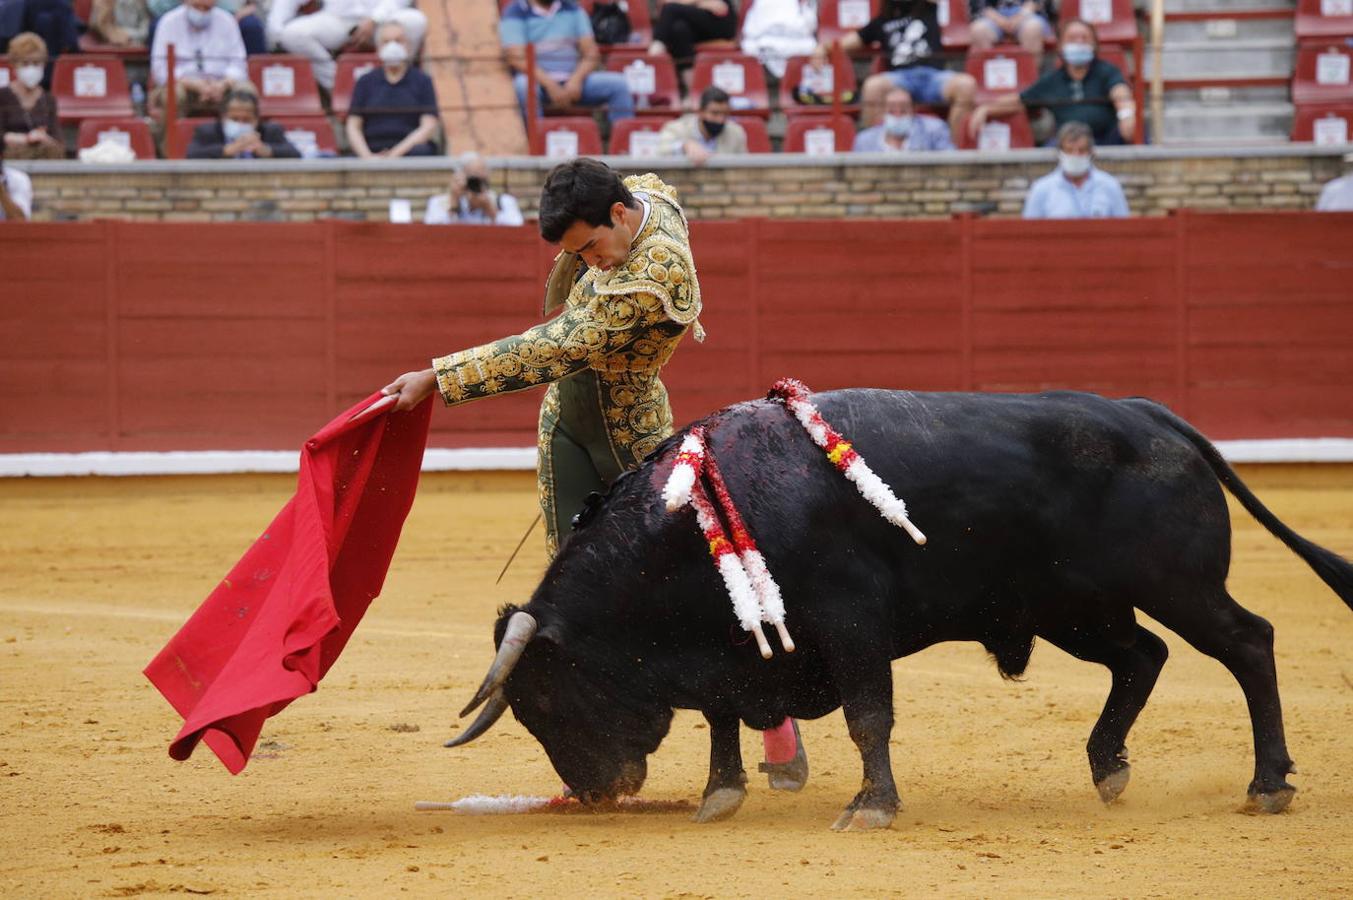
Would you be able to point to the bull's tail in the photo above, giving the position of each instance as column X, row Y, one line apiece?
column 1332, row 568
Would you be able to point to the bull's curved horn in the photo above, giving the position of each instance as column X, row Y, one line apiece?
column 520, row 629
column 491, row 713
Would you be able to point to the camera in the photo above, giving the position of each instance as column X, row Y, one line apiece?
column 475, row 184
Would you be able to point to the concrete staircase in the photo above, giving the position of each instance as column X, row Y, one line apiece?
column 1227, row 66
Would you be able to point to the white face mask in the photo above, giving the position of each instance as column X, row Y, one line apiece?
column 30, row 76
column 234, row 130
column 198, row 19
column 1073, row 165
column 393, row 53
column 897, row 126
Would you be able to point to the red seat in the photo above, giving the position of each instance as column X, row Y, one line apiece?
column 566, row 137
column 817, row 134
column 183, row 130
column 838, row 18
column 955, row 32
column 1010, row 132
column 739, row 75
column 652, row 80
column 1322, row 75
column 1115, row 21
column 304, row 130
column 1001, row 70
column 1324, row 125
column 90, row 86
column 90, row 44
column 1320, row 19
column 622, row 136
column 131, row 131
column 843, row 80
column 758, row 138
column 351, row 66
column 286, row 86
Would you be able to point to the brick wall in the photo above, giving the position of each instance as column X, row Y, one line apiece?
column 774, row 186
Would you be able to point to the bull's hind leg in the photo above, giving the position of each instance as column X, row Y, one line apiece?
column 1243, row 642
column 867, row 701
column 1134, row 668
column 727, row 785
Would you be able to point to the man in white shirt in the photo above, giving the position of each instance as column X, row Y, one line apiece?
column 1076, row 189
column 340, row 23
column 1337, row 195
column 16, row 193
column 470, row 201
column 208, row 56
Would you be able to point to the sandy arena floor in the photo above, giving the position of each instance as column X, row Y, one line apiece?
column 95, row 574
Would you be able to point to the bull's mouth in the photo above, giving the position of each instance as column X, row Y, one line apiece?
column 628, row 783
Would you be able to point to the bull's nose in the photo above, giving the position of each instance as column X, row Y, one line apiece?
column 632, row 775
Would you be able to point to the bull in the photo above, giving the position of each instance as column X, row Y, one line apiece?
column 1055, row 516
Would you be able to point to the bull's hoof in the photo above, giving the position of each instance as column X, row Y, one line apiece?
column 1270, row 801
column 1112, row 785
column 719, row 805
column 865, row 818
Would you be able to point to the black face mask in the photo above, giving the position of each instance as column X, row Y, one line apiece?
column 475, row 184
column 713, row 129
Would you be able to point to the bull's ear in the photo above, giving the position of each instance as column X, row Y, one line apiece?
column 552, row 632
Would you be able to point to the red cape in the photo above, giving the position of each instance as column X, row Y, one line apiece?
column 270, row 630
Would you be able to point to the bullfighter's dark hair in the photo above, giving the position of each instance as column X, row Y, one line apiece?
column 581, row 189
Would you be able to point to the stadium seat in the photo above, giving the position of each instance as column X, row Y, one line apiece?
column 738, row 74
column 838, row 18
column 309, row 134
column 566, row 137
column 816, row 134
column 758, row 138
column 183, row 130
column 90, row 86
column 131, row 132
column 623, row 134
column 1115, row 21
column 91, row 44
column 1322, row 75
column 652, row 80
column 1001, row 70
column 351, row 66
column 1010, row 132
column 286, row 86
column 1318, row 20
column 955, row 33
column 843, row 79
column 1323, row 125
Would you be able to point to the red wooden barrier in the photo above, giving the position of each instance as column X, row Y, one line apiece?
column 150, row 336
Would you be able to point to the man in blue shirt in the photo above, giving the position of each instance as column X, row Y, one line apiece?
column 903, row 129
column 1076, row 190
column 566, row 57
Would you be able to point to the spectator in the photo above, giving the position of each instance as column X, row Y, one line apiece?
column 1022, row 20
column 16, row 192
column 28, row 120
column 1085, row 89
column 903, row 129
column 566, row 57
column 394, row 108
column 682, row 24
column 909, row 33
column 247, row 13
column 337, row 25
column 209, row 57
column 775, row 30
column 1076, row 190
column 122, row 23
column 471, row 201
column 1337, row 196
column 702, row 134
column 52, row 20
column 238, row 133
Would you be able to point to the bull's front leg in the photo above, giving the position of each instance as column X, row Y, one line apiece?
column 868, row 707
column 727, row 786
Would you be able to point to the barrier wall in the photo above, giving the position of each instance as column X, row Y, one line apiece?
column 149, row 336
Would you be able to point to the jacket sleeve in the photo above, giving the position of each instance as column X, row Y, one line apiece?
column 204, row 144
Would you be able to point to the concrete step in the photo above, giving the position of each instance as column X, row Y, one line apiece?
column 1221, row 7
column 1189, row 123
column 1225, row 96
column 1222, row 31
column 1232, row 59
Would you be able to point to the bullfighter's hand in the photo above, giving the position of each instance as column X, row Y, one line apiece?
column 412, row 388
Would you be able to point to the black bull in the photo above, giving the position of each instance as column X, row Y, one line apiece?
column 1053, row 515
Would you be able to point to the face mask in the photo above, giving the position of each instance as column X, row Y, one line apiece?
column 235, row 130
column 198, row 19
column 897, row 126
column 713, row 129
column 31, row 76
column 392, row 53
column 1078, row 54
column 1075, row 166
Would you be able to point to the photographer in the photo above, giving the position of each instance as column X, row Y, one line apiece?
column 470, row 202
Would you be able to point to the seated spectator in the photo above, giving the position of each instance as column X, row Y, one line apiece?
column 775, row 30
column 903, row 129
column 122, row 23
column 1337, row 196
column 909, row 32
column 246, row 12
column 16, row 192
column 209, row 57
column 28, row 120
column 394, row 108
column 566, row 58
column 1084, row 89
column 471, row 201
column 239, row 134
column 1020, row 20
column 700, row 135
column 682, row 24
column 338, row 25
column 1076, row 189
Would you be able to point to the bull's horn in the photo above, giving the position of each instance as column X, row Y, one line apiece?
column 491, row 714
column 520, row 629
